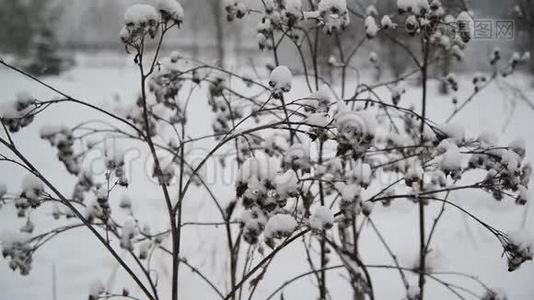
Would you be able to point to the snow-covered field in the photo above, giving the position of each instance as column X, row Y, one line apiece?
column 460, row 244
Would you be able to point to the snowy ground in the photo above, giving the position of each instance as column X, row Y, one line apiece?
column 460, row 244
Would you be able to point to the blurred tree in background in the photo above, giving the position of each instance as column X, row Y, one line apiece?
column 40, row 28
column 28, row 34
column 524, row 16
column 16, row 32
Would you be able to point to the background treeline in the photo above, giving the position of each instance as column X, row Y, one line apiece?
column 80, row 25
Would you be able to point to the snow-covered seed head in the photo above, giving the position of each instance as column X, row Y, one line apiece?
column 421, row 7
column 256, row 183
column 128, row 232
column 280, row 80
column 361, row 174
column 23, row 101
column 451, row 160
column 321, row 219
column 371, row 28
column 453, row 131
column 144, row 249
column 279, row 226
column 293, row 8
column 140, row 15
column 387, row 23
column 412, row 25
column 32, row 188
column 16, row 114
column 457, row 52
column 452, row 81
column 525, row 57
column 367, row 207
column 139, row 20
column 435, row 5
column 371, row 10
column 518, row 145
column 166, row 171
column 297, row 157
column 125, row 34
column 286, row 184
column 404, row 6
column 171, row 11
column 522, row 195
column 495, row 56
column 317, row 101
column 62, row 138
column 438, row 178
column 355, row 131
column 350, row 193
column 414, row 175
column 335, row 15
column 518, row 248
column 253, row 222
column 235, row 9
column 373, row 58
column 465, row 26
column 17, row 249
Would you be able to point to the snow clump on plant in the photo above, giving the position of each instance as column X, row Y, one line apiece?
column 371, row 28
column 139, row 20
column 355, row 131
column 17, row 249
column 334, row 14
column 279, row 226
column 235, row 9
column 322, row 218
column 17, row 114
column 171, row 11
column 280, row 80
column 518, row 249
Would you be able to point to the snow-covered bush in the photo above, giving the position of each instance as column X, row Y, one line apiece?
column 314, row 169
